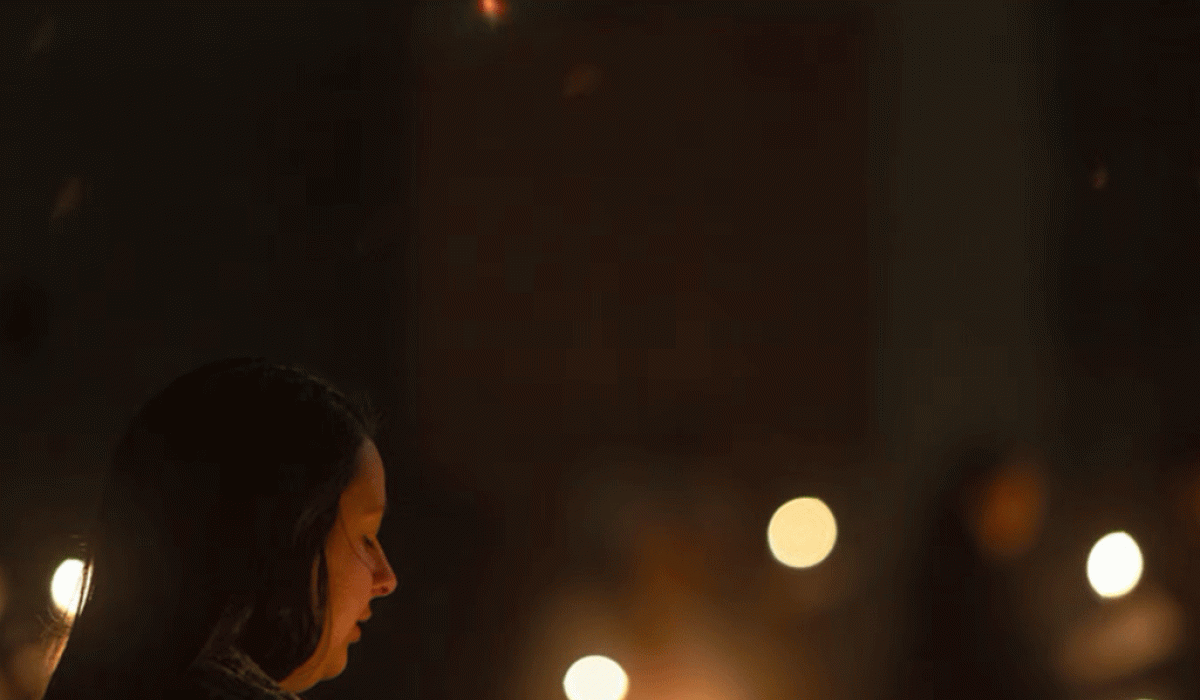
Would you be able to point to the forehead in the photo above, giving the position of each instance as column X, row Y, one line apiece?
column 368, row 489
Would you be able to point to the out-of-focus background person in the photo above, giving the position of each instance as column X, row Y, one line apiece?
column 963, row 635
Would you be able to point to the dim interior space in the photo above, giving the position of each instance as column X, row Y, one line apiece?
column 698, row 350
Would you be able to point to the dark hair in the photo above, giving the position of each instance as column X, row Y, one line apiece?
column 219, row 500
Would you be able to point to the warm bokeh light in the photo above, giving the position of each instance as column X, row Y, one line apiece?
column 1009, row 516
column 1121, row 640
column 595, row 678
column 69, row 197
column 802, row 532
column 492, row 9
column 1114, row 565
column 27, row 671
column 66, row 587
column 3, row 593
column 582, row 80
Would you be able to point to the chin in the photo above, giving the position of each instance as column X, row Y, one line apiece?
column 329, row 671
column 335, row 669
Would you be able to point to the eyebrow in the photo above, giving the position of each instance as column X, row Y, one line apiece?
column 378, row 510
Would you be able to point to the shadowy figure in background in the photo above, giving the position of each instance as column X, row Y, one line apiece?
column 960, row 639
column 1178, row 481
column 234, row 550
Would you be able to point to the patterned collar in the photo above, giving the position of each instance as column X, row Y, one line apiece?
column 232, row 675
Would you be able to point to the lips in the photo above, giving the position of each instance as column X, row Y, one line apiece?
column 358, row 625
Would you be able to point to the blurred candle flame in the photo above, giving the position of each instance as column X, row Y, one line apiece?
column 595, row 678
column 802, row 532
column 1009, row 516
column 493, row 10
column 1114, row 565
column 1119, row 641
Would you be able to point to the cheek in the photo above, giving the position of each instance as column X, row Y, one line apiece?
column 349, row 588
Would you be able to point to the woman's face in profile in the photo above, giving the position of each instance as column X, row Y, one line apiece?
column 358, row 571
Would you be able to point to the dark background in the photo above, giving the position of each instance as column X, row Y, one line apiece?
column 625, row 276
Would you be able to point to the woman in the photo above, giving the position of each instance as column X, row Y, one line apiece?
column 234, row 550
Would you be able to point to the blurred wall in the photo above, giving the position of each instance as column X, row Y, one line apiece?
column 601, row 170
column 796, row 246
column 972, row 197
column 968, row 196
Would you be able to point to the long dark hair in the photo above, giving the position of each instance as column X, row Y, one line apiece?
column 219, row 500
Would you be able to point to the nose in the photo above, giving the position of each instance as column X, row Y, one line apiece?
column 385, row 579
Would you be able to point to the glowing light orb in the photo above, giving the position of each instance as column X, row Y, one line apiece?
column 66, row 587
column 492, row 9
column 1009, row 517
column 1114, row 565
column 595, row 678
column 802, row 532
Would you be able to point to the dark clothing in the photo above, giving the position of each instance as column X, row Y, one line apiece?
column 231, row 675
column 222, row 671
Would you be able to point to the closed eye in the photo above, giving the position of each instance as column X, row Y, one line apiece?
column 369, row 542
